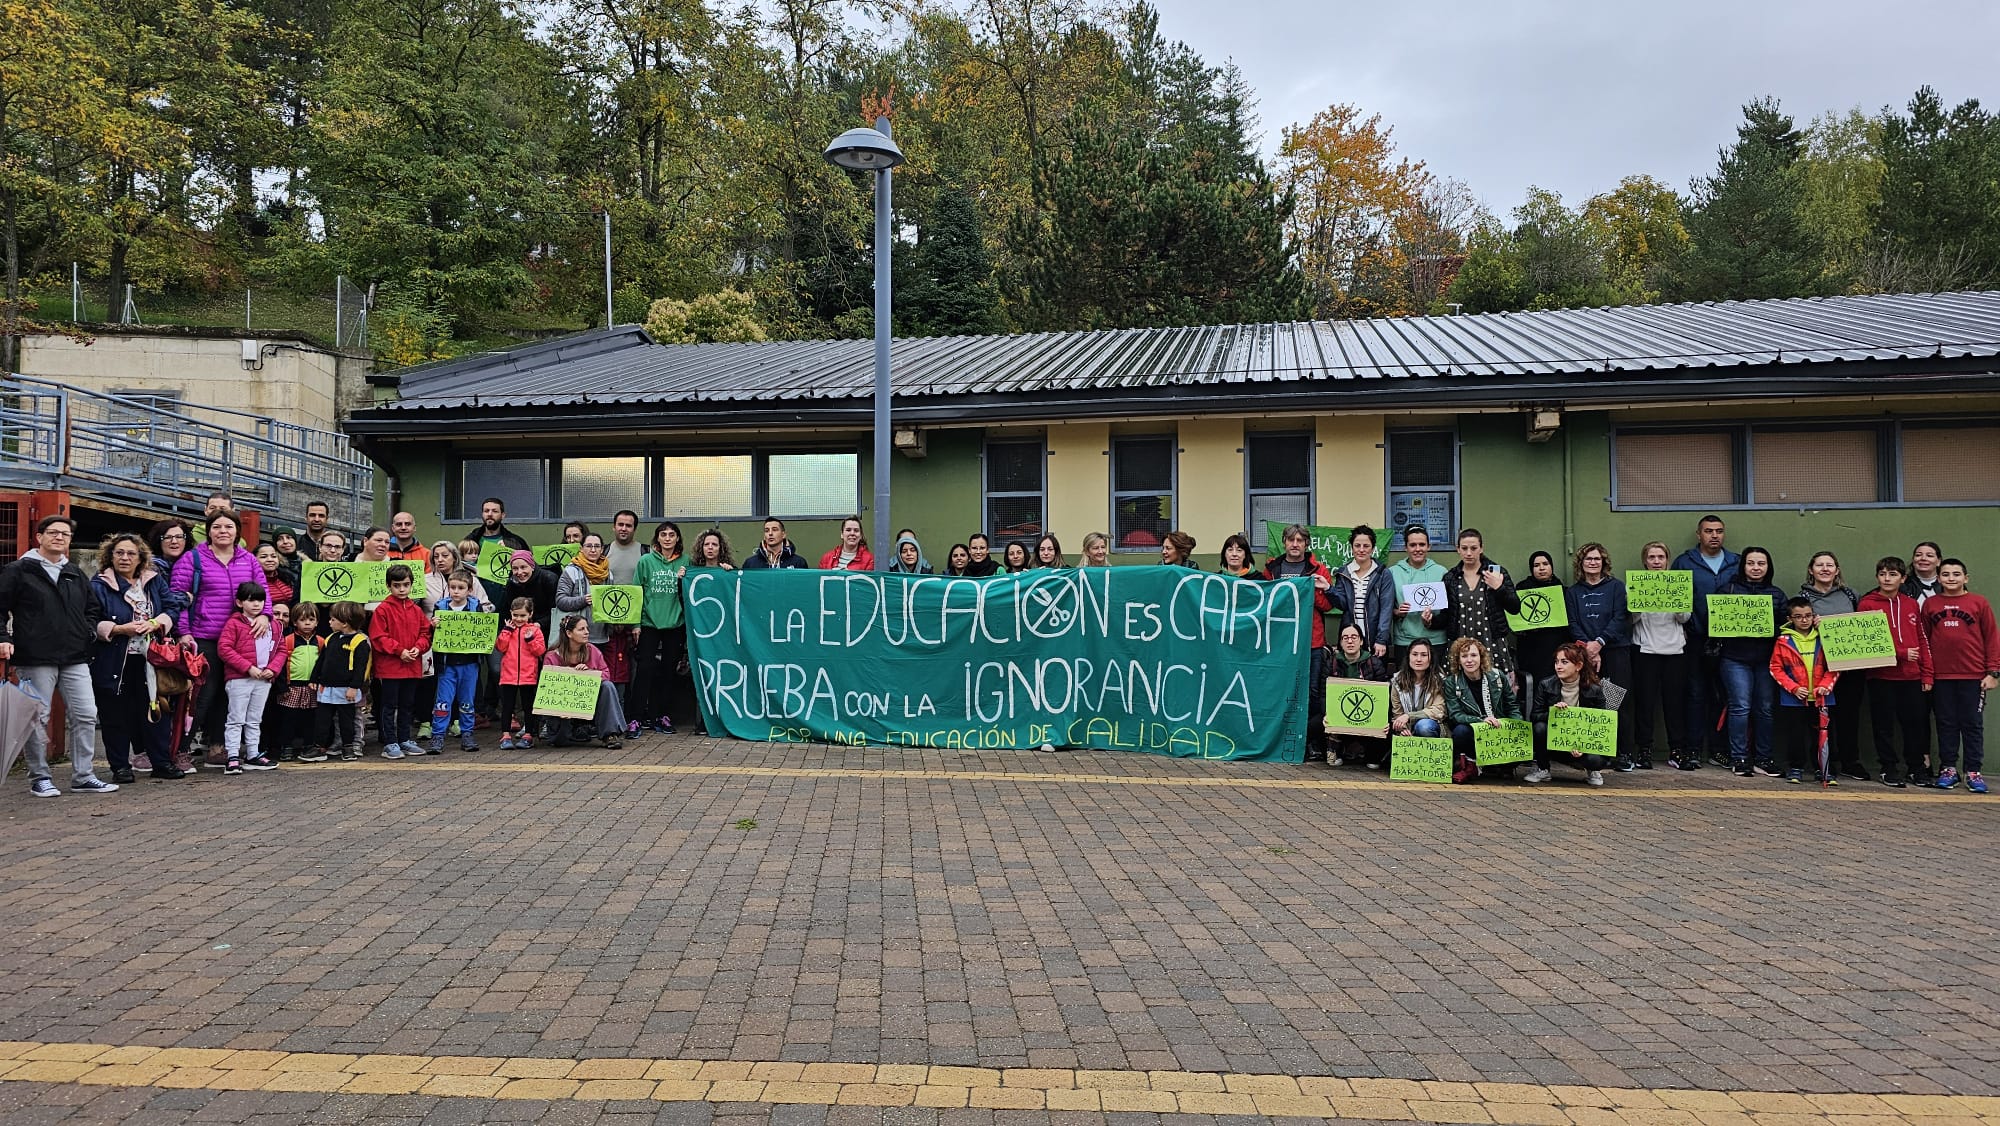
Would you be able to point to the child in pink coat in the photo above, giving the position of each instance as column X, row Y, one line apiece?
column 250, row 666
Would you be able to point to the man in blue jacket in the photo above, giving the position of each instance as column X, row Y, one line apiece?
column 1713, row 566
column 54, row 624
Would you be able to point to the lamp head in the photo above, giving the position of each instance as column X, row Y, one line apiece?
column 864, row 150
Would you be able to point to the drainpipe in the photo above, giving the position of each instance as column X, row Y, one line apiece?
column 1569, row 497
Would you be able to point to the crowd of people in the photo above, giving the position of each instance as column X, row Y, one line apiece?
column 195, row 650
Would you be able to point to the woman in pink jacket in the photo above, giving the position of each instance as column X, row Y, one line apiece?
column 572, row 650
column 209, row 576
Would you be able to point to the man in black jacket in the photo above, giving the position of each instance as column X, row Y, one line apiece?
column 54, row 614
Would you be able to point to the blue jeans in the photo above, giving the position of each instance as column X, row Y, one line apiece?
column 1749, row 689
column 1427, row 728
column 457, row 687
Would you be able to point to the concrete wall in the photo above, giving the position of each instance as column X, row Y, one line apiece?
column 297, row 384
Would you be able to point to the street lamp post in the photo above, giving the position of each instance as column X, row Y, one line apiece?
column 871, row 150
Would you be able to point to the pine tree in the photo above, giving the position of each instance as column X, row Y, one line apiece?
column 1939, row 211
column 950, row 289
column 1747, row 235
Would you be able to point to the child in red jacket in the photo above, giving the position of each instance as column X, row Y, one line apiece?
column 521, row 646
column 1896, row 693
column 250, row 665
column 399, row 634
column 1965, row 658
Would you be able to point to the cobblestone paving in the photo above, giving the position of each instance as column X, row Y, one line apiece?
column 1551, row 955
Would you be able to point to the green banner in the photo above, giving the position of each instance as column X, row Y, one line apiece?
column 1357, row 707
column 569, row 693
column 1512, row 741
column 1420, row 760
column 1541, row 608
column 1857, row 641
column 464, row 631
column 1328, row 545
column 615, row 605
column 1158, row 659
column 1659, row 592
column 344, row 582
column 1584, row 731
column 493, row 556
column 556, row 555
column 1742, row 615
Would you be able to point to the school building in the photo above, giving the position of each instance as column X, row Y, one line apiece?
column 1859, row 425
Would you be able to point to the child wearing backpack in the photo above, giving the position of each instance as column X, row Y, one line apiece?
column 294, row 714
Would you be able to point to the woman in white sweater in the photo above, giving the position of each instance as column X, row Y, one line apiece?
column 1659, row 675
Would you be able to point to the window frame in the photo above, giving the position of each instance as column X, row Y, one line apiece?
column 986, row 493
column 1394, row 541
column 1250, row 494
column 453, row 498
column 1173, row 440
column 1889, row 470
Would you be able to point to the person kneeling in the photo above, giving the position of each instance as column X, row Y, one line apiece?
column 1475, row 692
column 573, row 650
column 1354, row 661
column 1575, row 685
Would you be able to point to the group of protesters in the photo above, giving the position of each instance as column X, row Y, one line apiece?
column 195, row 650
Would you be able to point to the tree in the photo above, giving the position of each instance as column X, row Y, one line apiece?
column 1939, row 208
column 949, row 289
column 1747, row 235
column 1643, row 234
column 1555, row 257
column 1841, row 178
column 1353, row 197
column 728, row 316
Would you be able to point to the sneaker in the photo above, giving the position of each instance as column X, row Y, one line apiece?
column 467, row 743
column 507, row 742
column 1625, row 766
column 392, row 750
column 259, row 763
column 423, row 731
column 170, row 774
column 413, row 750
column 1646, row 763
column 1858, row 773
column 1795, row 777
column 524, row 742
column 43, row 788
column 1947, row 778
column 613, row 743
column 1688, row 764
column 1975, row 782
column 1336, row 760
column 437, row 745
column 1894, row 782
column 1594, row 778
column 233, row 766
column 351, row 754
column 1828, row 780
column 122, row 777
column 453, row 729
column 1535, row 774
column 313, row 755
column 1673, row 762
column 1745, row 772
column 1766, row 770
column 632, row 729
column 664, row 725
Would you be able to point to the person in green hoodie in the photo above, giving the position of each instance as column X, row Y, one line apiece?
column 662, row 630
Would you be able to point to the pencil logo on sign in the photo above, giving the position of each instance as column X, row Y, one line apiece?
column 334, row 582
column 616, row 603
column 1535, row 609
column 1357, row 706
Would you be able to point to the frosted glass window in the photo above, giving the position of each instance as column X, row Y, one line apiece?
column 600, row 486
column 521, row 483
column 814, row 484
column 711, row 486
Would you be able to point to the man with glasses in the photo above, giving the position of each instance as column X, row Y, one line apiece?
column 54, row 615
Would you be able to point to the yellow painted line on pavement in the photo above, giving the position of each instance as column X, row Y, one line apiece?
column 1767, row 789
column 888, row 1085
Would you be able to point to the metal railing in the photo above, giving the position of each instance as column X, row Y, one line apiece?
column 135, row 449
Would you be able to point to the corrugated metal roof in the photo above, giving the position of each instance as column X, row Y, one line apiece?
column 622, row 366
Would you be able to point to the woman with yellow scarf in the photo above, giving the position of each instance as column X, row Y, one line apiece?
column 590, row 567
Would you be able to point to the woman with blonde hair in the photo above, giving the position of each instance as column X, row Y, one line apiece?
column 1475, row 692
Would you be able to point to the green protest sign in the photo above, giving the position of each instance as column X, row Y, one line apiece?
column 1584, row 731
column 464, row 631
column 556, row 555
column 615, row 605
column 1420, row 760
column 344, row 582
column 1541, row 608
column 1659, row 592
column 570, row 693
column 1742, row 615
column 1857, row 641
column 1328, row 545
column 1512, row 741
column 493, row 561
column 1357, row 707
column 1158, row 659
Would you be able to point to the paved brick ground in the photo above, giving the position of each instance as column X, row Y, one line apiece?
column 1134, row 914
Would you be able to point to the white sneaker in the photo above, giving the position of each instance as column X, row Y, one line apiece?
column 1595, row 778
column 91, row 785
column 43, row 788
column 1535, row 774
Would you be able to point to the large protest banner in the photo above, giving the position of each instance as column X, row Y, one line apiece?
column 1328, row 545
column 1158, row 659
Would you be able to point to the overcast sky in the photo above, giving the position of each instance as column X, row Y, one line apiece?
column 1571, row 94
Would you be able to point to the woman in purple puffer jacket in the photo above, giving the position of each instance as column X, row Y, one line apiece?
column 209, row 575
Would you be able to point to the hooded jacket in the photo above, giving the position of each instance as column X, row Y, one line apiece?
column 1799, row 661
column 787, row 560
column 54, row 621
column 396, row 625
column 923, row 566
column 238, row 647
column 1906, row 628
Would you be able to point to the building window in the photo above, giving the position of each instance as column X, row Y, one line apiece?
column 812, row 484
column 698, row 486
column 594, row 487
column 1278, row 479
column 520, row 483
column 1817, row 465
column 1423, row 484
column 1142, row 492
column 1015, row 472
